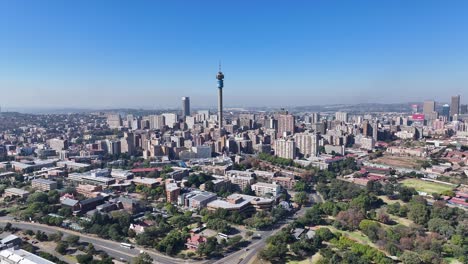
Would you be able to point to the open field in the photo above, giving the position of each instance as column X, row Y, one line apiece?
column 427, row 187
column 402, row 162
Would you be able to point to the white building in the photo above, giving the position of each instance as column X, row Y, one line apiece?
column 262, row 188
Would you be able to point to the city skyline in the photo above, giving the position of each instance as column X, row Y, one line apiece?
column 87, row 55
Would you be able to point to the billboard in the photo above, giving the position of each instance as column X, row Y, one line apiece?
column 418, row 117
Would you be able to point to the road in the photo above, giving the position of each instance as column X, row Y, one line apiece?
column 244, row 257
column 111, row 247
column 116, row 251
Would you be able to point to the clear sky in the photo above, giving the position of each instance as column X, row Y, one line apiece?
column 149, row 54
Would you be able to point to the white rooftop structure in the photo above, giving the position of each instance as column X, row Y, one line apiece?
column 20, row 256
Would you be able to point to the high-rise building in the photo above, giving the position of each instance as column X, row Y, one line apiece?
column 414, row 108
column 446, row 111
column 428, row 107
column 285, row 148
column 220, row 78
column 341, row 116
column 113, row 147
column 185, row 106
column 127, row 143
column 156, row 121
column 114, row 121
column 307, row 144
column 285, row 125
column 455, row 106
column 315, row 117
column 463, row 109
column 170, row 119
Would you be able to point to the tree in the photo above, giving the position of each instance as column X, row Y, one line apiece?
column 90, row 249
column 324, row 234
column 73, row 240
column 84, row 258
column 409, row 257
column 274, row 252
column 62, row 247
column 219, row 225
column 209, row 248
column 143, row 258
column 248, row 190
column 370, row 228
column 301, row 198
column 418, row 212
column 350, row 218
column 374, row 187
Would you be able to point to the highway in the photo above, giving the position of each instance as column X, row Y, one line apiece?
column 111, row 247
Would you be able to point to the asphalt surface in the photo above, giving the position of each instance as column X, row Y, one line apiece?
column 118, row 252
column 111, row 247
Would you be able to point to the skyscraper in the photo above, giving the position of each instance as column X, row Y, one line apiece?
column 185, row 106
column 463, row 109
column 220, row 78
column 428, row 107
column 455, row 106
column 446, row 111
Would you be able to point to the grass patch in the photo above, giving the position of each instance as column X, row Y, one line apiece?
column 427, row 187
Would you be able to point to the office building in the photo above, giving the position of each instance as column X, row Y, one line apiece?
column 446, row 111
column 185, row 106
column 428, row 107
column 455, row 106
column 463, row 109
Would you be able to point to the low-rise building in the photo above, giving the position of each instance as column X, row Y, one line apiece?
column 285, row 182
column 242, row 203
column 88, row 190
column 15, row 192
column 147, row 182
column 43, row 185
column 263, row 189
column 19, row 256
column 196, row 199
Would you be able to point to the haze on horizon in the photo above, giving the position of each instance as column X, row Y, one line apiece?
column 148, row 54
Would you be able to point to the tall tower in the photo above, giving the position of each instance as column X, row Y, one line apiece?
column 455, row 106
column 185, row 106
column 220, row 78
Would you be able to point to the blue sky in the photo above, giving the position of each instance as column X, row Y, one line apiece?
column 148, row 54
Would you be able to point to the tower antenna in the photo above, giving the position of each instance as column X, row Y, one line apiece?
column 219, row 65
